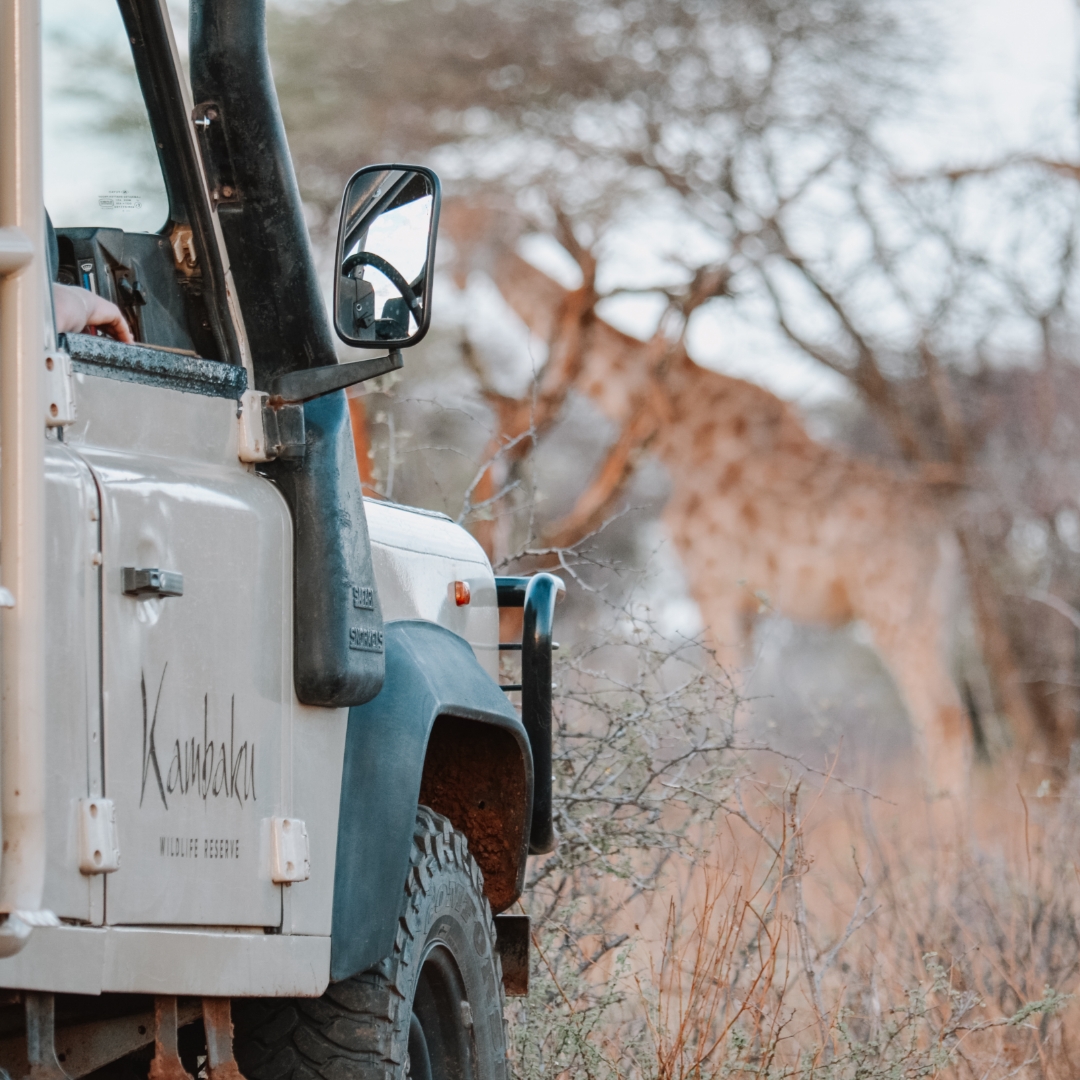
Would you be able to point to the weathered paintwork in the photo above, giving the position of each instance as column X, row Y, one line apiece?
column 132, row 363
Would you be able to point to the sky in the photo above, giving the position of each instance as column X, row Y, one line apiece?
column 1006, row 84
column 1008, row 81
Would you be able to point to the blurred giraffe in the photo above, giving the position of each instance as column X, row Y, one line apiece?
column 761, row 515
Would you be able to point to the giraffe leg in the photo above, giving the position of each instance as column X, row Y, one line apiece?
column 941, row 725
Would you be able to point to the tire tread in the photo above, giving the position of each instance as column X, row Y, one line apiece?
column 358, row 1029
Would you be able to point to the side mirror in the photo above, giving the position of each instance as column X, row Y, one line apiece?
column 386, row 256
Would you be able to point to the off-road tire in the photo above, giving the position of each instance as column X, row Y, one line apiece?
column 443, row 978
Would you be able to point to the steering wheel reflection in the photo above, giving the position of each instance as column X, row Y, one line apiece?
column 392, row 274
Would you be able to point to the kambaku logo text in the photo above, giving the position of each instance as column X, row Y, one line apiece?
column 198, row 766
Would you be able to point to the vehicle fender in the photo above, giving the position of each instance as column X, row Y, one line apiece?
column 441, row 733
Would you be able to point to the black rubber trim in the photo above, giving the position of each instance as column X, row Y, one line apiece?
column 511, row 591
column 154, row 367
column 188, row 201
column 537, row 595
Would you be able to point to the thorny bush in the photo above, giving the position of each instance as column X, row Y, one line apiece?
column 714, row 912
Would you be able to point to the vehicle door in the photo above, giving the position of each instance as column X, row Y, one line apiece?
column 195, row 555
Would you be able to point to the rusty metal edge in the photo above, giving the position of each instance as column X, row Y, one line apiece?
column 82, row 1048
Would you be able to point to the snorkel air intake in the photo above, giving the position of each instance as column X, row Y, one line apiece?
column 338, row 650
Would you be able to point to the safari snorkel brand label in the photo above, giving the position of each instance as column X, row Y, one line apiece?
column 365, row 640
column 200, row 766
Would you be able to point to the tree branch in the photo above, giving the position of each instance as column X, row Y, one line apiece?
column 595, row 503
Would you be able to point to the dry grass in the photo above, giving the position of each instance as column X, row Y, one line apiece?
column 807, row 930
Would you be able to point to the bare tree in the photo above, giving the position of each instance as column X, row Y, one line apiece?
column 759, row 135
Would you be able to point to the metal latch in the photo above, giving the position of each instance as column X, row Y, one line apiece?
column 152, row 582
column 290, row 853
column 99, row 850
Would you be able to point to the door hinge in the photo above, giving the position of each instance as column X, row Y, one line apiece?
column 290, row 854
column 268, row 433
column 99, row 849
column 59, row 389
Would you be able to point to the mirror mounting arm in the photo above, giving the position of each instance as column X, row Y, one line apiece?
column 300, row 386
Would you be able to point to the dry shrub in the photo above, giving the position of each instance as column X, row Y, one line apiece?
column 714, row 913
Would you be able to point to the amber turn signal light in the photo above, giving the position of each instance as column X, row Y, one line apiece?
column 462, row 593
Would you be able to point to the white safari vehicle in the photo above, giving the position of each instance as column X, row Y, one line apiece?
column 262, row 793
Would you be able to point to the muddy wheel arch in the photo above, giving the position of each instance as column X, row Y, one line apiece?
column 440, row 733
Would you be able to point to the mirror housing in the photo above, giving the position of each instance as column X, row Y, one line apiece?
column 385, row 256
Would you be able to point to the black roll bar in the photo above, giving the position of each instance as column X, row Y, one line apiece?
column 537, row 595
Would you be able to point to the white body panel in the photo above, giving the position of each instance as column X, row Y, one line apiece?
column 315, row 753
column 73, row 691
column 418, row 556
column 85, row 960
column 150, row 478
column 196, row 703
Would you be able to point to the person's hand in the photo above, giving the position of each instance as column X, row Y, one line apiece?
column 79, row 309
